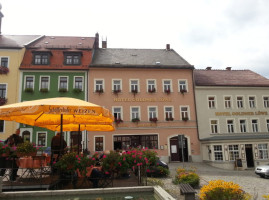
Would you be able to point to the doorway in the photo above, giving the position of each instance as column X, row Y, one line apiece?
column 176, row 151
column 249, row 155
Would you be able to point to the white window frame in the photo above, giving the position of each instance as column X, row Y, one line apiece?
column 59, row 81
column 252, row 103
column 149, row 85
column 121, row 112
column 243, row 102
column 25, row 81
column 7, row 60
column 246, row 125
column 172, row 112
column 188, row 111
column 167, row 86
column 40, row 82
column 230, row 127
column 209, row 102
column 120, row 85
column 82, row 83
column 181, row 86
column 130, row 83
column 256, row 129
column 156, row 111
column 228, row 102
column 265, row 103
column 233, row 152
column 218, row 151
column 46, row 137
column 6, row 89
column 131, row 112
column 95, row 84
column 267, row 124
column 215, row 125
column 263, row 152
column 97, row 136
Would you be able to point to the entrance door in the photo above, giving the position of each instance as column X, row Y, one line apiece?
column 249, row 155
column 176, row 152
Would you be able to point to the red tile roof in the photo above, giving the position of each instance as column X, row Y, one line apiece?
column 241, row 78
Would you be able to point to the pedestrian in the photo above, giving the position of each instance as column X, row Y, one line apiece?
column 57, row 147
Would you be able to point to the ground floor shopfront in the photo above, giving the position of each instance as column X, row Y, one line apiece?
column 242, row 152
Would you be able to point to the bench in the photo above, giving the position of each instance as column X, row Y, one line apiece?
column 187, row 190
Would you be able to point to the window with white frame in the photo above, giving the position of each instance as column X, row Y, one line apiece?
column 2, row 126
column 134, row 86
column 240, row 102
column 135, row 113
column 4, row 62
column 267, row 124
column 218, row 155
column 214, row 126
column 167, row 86
column 254, row 123
column 117, row 112
column 3, row 90
column 41, row 58
column 227, row 102
column 211, row 102
column 63, row 82
column 243, row 125
column 44, row 82
column 251, row 101
column 78, row 83
column 29, row 82
column 266, row 102
column 184, row 112
column 182, row 85
column 72, row 58
column 99, row 143
column 152, row 113
column 99, row 85
column 230, row 125
column 168, row 111
column 151, row 86
column 41, row 139
column 233, row 152
column 116, row 85
column 263, row 151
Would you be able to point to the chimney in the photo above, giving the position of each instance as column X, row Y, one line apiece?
column 168, row 47
column 1, row 16
column 104, row 44
column 96, row 41
column 208, row 68
column 228, row 68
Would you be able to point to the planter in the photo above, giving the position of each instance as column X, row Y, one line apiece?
column 152, row 90
column 3, row 101
column 116, row 91
column 4, row 70
column 4, row 155
column 22, row 154
column 44, row 90
column 29, row 90
column 99, row 91
column 62, row 90
column 169, row 119
column 136, row 120
column 167, row 91
column 185, row 119
column 77, row 90
column 153, row 119
column 183, row 91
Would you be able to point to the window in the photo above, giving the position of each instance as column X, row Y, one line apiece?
column 2, row 126
column 135, row 113
column 151, row 86
column 254, row 123
column 72, row 59
column 251, row 101
column 167, row 86
column 214, row 126
column 4, row 62
column 44, row 83
column 184, row 113
column 63, row 82
column 168, row 111
column 152, row 113
column 267, row 124
column 263, row 151
column 3, row 90
column 227, row 102
column 218, row 152
column 134, row 86
column 116, row 85
column 99, row 85
column 243, row 126
column 78, row 83
column 99, row 143
column 125, row 142
column 266, row 102
column 117, row 113
column 239, row 101
column 41, row 59
column 233, row 152
column 182, row 84
column 29, row 82
column 230, row 126
column 41, row 139
column 211, row 102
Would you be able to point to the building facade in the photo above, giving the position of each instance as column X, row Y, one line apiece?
column 150, row 93
column 233, row 117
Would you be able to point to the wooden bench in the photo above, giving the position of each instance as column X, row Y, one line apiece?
column 187, row 190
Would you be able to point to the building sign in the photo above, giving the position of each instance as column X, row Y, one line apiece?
column 161, row 99
column 240, row 113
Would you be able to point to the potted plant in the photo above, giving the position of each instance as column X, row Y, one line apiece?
column 44, row 90
column 100, row 91
column 185, row 118
column 4, row 150
column 62, row 90
column 136, row 119
column 29, row 90
column 77, row 90
column 167, row 91
column 151, row 90
column 183, row 91
column 134, row 91
column 3, row 101
column 169, row 118
column 3, row 70
column 153, row 119
column 26, row 149
column 116, row 91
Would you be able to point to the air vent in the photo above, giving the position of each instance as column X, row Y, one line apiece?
column 46, row 42
column 157, row 63
column 117, row 62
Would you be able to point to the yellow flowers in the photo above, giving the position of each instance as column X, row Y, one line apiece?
column 187, row 176
column 222, row 190
column 266, row 197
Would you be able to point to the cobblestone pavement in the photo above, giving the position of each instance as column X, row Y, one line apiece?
column 247, row 179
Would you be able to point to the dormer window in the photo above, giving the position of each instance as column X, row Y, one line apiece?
column 72, row 58
column 41, row 58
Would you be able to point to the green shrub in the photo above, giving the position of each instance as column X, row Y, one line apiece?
column 187, row 176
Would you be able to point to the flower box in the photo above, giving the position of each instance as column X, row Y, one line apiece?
column 167, row 91
column 183, row 91
column 185, row 118
column 169, row 119
column 152, row 90
column 116, row 91
column 29, row 90
column 77, row 90
column 26, row 149
column 118, row 121
column 44, row 90
column 62, row 90
column 135, row 120
column 3, row 101
column 153, row 119
column 3, row 70
column 99, row 91
column 134, row 91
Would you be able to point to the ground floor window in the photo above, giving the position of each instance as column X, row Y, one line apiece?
column 233, row 152
column 99, row 144
column 126, row 142
column 41, row 139
column 263, row 151
column 218, row 152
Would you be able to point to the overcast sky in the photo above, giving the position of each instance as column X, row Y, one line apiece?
column 216, row 33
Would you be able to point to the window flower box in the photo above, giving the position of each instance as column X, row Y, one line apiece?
column 135, row 120
column 153, row 90
column 118, row 121
column 185, row 119
column 62, row 90
column 154, row 119
column 167, row 91
column 169, row 118
column 100, row 91
column 44, row 90
column 3, row 70
column 3, row 101
column 134, row 91
column 116, row 91
column 182, row 91
column 77, row 90
column 29, row 90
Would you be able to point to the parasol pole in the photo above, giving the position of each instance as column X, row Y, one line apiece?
column 61, row 133
column 78, row 137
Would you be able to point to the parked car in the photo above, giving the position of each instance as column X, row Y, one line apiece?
column 262, row 171
column 155, row 171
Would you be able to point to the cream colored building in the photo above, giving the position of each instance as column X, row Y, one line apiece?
column 233, row 117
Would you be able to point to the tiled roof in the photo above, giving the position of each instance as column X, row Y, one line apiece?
column 16, row 41
column 160, row 58
column 63, row 42
column 237, row 137
column 241, row 78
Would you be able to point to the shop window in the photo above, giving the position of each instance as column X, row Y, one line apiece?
column 218, row 154
column 126, row 142
column 233, row 152
column 263, row 151
column 99, row 144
